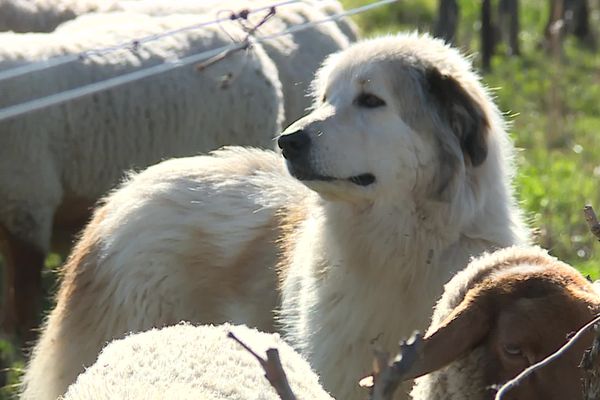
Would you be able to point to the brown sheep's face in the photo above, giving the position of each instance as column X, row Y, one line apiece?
column 527, row 331
column 519, row 312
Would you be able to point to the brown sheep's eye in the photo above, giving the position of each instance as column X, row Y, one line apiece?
column 512, row 350
column 368, row 100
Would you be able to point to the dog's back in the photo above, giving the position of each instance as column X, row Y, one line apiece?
column 183, row 240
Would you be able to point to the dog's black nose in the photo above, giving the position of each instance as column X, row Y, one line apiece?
column 294, row 145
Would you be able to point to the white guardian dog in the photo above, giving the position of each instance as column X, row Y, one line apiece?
column 399, row 175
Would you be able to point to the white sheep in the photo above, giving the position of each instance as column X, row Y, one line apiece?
column 44, row 15
column 56, row 162
column 505, row 311
column 297, row 55
column 158, row 7
column 192, row 362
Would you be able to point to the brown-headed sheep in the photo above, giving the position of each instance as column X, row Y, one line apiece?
column 506, row 311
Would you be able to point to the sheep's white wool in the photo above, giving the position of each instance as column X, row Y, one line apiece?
column 333, row 7
column 297, row 55
column 192, row 362
column 45, row 15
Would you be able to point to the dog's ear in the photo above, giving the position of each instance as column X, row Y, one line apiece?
column 462, row 113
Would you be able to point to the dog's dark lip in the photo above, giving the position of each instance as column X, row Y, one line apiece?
column 360, row 180
column 303, row 175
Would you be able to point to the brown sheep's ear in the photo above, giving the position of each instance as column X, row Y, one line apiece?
column 461, row 112
column 461, row 331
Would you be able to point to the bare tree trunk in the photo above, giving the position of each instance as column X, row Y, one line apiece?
column 508, row 14
column 447, row 22
column 577, row 16
column 487, row 35
column 555, row 28
column 570, row 16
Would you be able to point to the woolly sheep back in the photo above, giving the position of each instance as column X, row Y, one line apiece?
column 297, row 55
column 192, row 362
column 44, row 15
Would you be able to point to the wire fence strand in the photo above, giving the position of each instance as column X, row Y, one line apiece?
column 64, row 96
column 66, row 59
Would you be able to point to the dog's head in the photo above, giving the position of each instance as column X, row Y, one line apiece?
column 400, row 114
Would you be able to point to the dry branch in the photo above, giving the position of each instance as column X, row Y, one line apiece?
column 592, row 220
column 273, row 370
column 590, row 364
column 387, row 376
column 559, row 353
column 244, row 44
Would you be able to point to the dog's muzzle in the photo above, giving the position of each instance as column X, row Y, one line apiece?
column 294, row 145
column 295, row 148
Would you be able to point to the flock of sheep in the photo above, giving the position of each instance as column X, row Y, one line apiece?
column 504, row 309
column 67, row 156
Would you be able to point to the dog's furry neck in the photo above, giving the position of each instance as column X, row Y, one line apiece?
column 397, row 232
column 379, row 263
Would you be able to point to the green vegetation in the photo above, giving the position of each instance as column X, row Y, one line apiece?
column 553, row 105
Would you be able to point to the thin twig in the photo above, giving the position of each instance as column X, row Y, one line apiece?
column 221, row 56
column 243, row 45
column 531, row 369
column 386, row 377
column 592, row 220
column 273, row 370
column 590, row 364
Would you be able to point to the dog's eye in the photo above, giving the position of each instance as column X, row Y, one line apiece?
column 368, row 100
column 324, row 99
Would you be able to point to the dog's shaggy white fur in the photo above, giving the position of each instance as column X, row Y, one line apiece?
column 403, row 173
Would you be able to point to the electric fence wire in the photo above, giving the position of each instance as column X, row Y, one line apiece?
column 71, row 94
column 69, row 58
